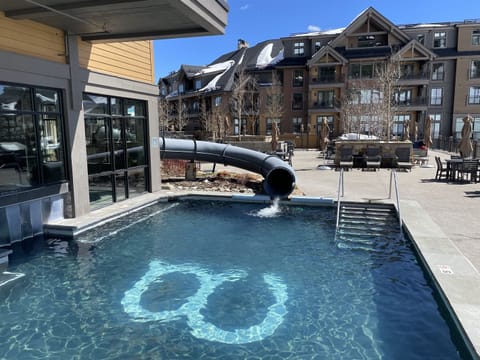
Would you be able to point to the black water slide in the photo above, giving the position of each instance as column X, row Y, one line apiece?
column 279, row 177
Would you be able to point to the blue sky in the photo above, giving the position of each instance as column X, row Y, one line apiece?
column 259, row 20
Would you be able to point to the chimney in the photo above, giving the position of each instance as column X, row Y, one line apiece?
column 242, row 44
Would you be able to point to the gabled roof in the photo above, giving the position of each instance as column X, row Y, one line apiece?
column 327, row 52
column 414, row 50
column 371, row 17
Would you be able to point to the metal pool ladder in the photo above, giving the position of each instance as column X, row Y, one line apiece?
column 341, row 193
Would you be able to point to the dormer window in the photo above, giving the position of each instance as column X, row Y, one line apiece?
column 299, row 48
column 181, row 88
column 476, row 37
column 440, row 39
column 198, row 84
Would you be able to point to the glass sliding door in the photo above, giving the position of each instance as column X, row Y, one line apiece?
column 115, row 130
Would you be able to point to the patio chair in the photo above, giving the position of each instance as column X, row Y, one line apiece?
column 346, row 157
column 403, row 159
column 373, row 159
column 442, row 171
column 468, row 171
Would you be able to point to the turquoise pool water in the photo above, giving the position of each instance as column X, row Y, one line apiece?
column 214, row 280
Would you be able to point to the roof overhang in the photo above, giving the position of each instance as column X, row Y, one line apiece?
column 124, row 20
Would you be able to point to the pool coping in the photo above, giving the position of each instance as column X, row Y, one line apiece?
column 453, row 276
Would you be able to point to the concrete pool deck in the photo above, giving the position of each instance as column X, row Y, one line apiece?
column 442, row 219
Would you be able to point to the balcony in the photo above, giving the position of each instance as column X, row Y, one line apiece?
column 418, row 103
column 419, row 77
column 328, row 106
column 338, row 80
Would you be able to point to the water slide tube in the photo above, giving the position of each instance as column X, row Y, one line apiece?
column 279, row 177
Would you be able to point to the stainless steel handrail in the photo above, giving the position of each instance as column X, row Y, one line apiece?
column 393, row 175
column 340, row 187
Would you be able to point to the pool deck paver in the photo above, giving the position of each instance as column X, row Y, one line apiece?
column 443, row 219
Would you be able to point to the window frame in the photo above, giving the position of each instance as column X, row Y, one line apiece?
column 473, row 97
column 475, row 69
column 433, row 99
column 299, row 48
column 438, row 75
column 476, row 37
column 439, row 39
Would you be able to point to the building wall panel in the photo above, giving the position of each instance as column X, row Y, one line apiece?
column 133, row 60
column 33, row 39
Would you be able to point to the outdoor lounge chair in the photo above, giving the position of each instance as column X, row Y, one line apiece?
column 373, row 159
column 403, row 159
column 442, row 170
column 346, row 157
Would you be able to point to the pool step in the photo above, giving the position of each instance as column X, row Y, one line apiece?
column 364, row 226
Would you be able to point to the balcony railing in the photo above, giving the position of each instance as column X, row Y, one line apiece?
column 326, row 104
column 328, row 79
column 421, row 75
column 418, row 101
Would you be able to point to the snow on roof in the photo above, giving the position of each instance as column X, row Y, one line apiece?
column 326, row 32
column 265, row 56
column 223, row 67
column 216, row 67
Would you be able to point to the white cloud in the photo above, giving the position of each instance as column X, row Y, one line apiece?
column 313, row 28
column 244, row 7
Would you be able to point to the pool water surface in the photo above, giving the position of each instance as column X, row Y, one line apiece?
column 221, row 280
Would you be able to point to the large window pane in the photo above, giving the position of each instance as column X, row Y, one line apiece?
column 15, row 98
column 93, row 104
column 135, row 134
column 136, row 182
column 98, row 145
column 47, row 100
column 100, row 190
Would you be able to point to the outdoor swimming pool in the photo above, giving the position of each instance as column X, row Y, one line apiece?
column 221, row 280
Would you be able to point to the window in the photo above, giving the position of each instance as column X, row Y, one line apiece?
column 318, row 45
column 399, row 123
column 115, row 132
column 181, row 88
column 476, row 37
column 440, row 39
column 325, row 99
column 366, row 96
column 326, row 74
column 366, row 41
column 362, row 71
column 475, row 69
column 217, row 101
column 299, row 48
column 438, row 71
column 320, row 120
column 298, row 78
column 403, row 97
column 198, row 84
column 269, row 125
column 421, row 39
column 436, row 96
column 297, row 125
column 474, row 95
column 297, row 101
column 436, row 121
column 32, row 144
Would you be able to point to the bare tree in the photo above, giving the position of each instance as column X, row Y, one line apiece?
column 387, row 77
column 180, row 114
column 205, row 117
column 163, row 115
column 272, row 101
column 237, row 99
